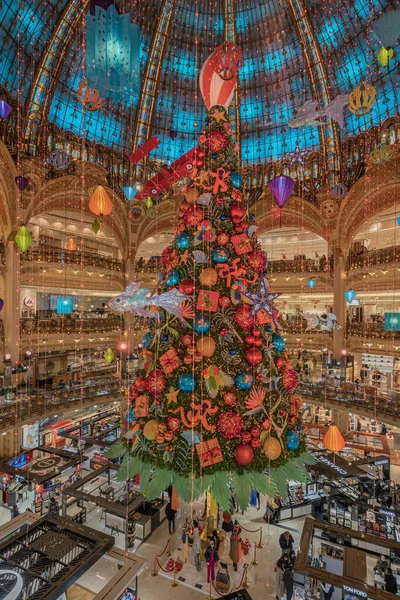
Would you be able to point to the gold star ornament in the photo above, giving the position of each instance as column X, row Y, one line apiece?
column 172, row 396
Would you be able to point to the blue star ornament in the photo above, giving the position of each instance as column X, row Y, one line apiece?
column 262, row 299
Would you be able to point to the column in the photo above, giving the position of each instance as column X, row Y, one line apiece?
column 341, row 420
column 339, row 302
column 11, row 301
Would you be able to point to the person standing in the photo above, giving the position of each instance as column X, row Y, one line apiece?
column 14, row 511
column 286, row 541
column 279, row 568
column 235, row 552
column 170, row 513
column 288, row 582
column 211, row 557
column 390, row 582
column 196, row 549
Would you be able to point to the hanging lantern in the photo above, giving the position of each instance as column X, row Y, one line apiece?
column 100, row 203
column 109, row 356
column 59, row 159
column 218, row 75
column 96, row 226
column 1, row 304
column 333, row 439
column 130, row 192
column 89, row 98
column 398, row 220
column 385, row 55
column 382, row 154
column 350, row 295
column 339, row 191
column 173, row 134
column 22, row 182
column 23, row 239
column 387, row 27
column 65, row 305
column 311, row 283
column 5, row 109
column 148, row 202
column 112, row 51
column 281, row 188
column 71, row 245
column 362, row 99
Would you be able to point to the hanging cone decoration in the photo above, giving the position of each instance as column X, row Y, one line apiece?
column 96, row 226
column 71, row 245
column 100, row 203
column 333, row 439
column 23, row 239
column 109, row 356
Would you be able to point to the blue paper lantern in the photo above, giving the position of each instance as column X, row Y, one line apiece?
column 236, row 179
column 350, row 295
column 201, row 323
column 112, row 52
column 183, row 240
column 220, row 255
column 65, row 305
column 278, row 342
column 311, row 283
column 392, row 321
column 173, row 134
column 398, row 220
column 292, row 440
column 173, row 277
column 147, row 339
column 244, row 380
column 187, row 383
column 130, row 192
column 5, row 109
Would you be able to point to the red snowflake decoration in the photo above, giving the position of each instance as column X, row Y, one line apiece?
column 230, row 424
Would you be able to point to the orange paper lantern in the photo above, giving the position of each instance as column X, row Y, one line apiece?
column 333, row 439
column 272, row 448
column 100, row 203
column 71, row 245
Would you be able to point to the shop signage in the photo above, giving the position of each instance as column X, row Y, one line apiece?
column 332, row 465
column 29, row 301
column 388, row 513
column 5, row 575
column 352, row 590
column 384, row 461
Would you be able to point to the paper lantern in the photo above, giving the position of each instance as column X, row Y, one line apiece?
column 206, row 346
column 22, row 182
column 385, row 55
column 208, row 277
column 130, row 192
column 71, row 245
column 333, row 439
column 281, row 188
column 100, row 203
column 109, row 356
column 362, row 99
column 148, row 202
column 392, row 321
column 96, row 226
column 218, row 75
column 311, row 283
column 59, row 159
column 350, row 295
column 5, row 109
column 23, row 239
column 65, row 305
column 272, row 448
column 151, row 429
column 1, row 304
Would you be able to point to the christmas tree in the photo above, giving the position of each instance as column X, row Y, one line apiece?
column 214, row 405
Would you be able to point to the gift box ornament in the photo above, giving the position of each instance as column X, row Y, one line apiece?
column 242, row 243
column 209, row 452
column 207, row 300
column 141, row 406
column 170, row 361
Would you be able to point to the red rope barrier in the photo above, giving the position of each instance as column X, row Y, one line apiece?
column 234, row 588
column 164, row 570
column 251, row 530
column 163, row 552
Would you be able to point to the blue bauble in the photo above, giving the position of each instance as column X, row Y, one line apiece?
column 147, row 339
column 252, row 217
column 173, row 277
column 244, row 381
column 311, row 283
column 187, row 383
column 164, row 338
column 201, row 324
column 182, row 240
column 236, row 179
column 232, row 352
column 214, row 155
column 268, row 328
column 278, row 342
column 222, row 218
column 292, row 440
column 220, row 255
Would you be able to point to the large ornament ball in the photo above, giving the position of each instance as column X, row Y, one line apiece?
column 192, row 194
column 173, row 277
column 244, row 454
column 206, row 346
column 187, row 383
column 208, row 277
column 278, row 342
column 201, row 324
column 244, row 381
column 253, row 356
column 236, row 179
column 147, row 339
column 237, row 212
column 186, row 286
column 272, row 448
column 150, row 430
column 223, row 238
column 220, row 255
column 156, row 382
column 183, row 240
column 292, row 440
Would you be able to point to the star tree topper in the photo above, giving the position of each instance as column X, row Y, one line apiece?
column 262, row 299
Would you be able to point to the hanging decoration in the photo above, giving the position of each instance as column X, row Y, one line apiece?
column 109, row 356
column 392, row 321
column 100, row 203
column 381, row 154
column 1, row 304
column 339, row 191
column 333, row 439
column 23, row 239
column 362, row 99
column 59, row 159
column 130, row 192
column 96, row 226
column 311, row 283
column 307, row 115
column 281, row 188
column 65, row 305
column 350, row 295
column 5, row 109
column 297, row 156
column 386, row 31
column 22, row 182
column 112, row 52
column 218, row 77
column 88, row 97
column 324, row 322
column 144, row 150
column 71, row 245
column 385, row 55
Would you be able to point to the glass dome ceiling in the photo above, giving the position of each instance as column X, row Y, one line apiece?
column 291, row 54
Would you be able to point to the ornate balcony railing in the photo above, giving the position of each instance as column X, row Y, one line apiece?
column 67, row 325
column 373, row 258
column 371, row 330
column 49, row 254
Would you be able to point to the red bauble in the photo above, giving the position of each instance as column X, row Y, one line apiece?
column 257, row 261
column 216, row 140
column 253, row 356
column 242, row 317
column 194, row 215
column 266, row 424
column 249, row 339
column 199, row 162
column 174, row 423
column 256, row 332
column 246, row 437
column 237, row 212
column 140, row 383
column 230, row 424
column 186, row 286
column 255, row 431
column 244, row 454
column 156, row 382
column 258, row 343
column 224, row 301
column 255, row 443
column 229, row 398
column 223, row 239
column 201, row 153
column 280, row 362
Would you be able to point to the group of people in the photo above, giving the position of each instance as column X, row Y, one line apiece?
column 384, row 570
column 284, row 567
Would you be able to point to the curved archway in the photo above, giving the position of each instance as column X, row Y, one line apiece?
column 8, row 193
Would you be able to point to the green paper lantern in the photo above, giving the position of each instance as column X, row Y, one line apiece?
column 23, row 239
column 96, row 226
column 148, row 202
column 109, row 356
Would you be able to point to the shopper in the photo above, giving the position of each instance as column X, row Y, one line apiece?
column 217, row 539
column 288, row 582
column 280, row 567
column 14, row 511
column 170, row 513
column 235, row 552
column 53, row 507
column 390, row 582
column 286, row 541
column 382, row 566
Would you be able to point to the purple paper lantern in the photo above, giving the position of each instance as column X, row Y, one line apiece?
column 22, row 182
column 281, row 187
column 5, row 109
column 1, row 304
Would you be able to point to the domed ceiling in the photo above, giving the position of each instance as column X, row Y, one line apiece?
column 293, row 50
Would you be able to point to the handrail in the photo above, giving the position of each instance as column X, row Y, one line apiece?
column 80, row 258
column 68, row 325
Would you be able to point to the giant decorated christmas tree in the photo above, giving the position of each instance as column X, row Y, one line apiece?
column 214, row 405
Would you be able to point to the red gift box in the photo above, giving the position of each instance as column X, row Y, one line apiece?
column 141, row 406
column 209, row 452
column 241, row 243
column 207, row 300
column 170, row 361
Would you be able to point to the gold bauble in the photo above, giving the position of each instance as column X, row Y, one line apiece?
column 208, row 277
column 272, row 448
column 150, row 430
column 206, row 346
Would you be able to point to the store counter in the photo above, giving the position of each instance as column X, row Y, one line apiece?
column 152, row 515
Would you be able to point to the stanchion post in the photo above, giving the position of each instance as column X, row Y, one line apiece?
column 255, row 561
column 246, row 582
column 209, row 592
column 169, row 553
column 154, row 571
column 260, row 544
column 174, row 583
